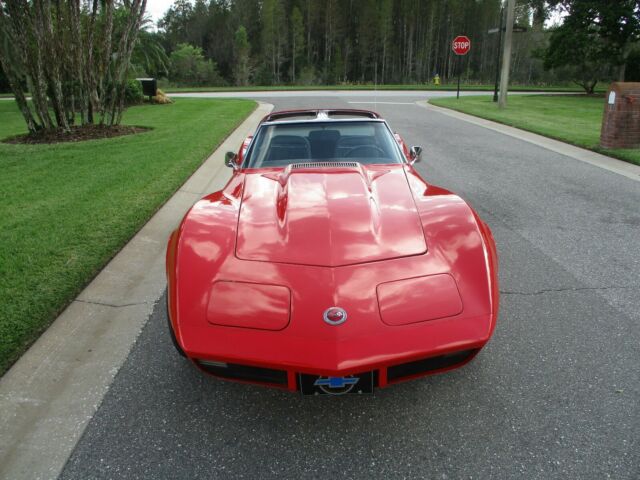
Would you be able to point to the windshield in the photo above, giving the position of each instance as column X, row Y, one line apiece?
column 365, row 142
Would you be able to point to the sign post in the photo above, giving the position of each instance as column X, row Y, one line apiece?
column 495, row 88
column 460, row 46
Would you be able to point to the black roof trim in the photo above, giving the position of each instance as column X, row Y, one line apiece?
column 315, row 114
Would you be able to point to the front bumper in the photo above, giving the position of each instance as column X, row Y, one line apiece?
column 369, row 341
column 382, row 376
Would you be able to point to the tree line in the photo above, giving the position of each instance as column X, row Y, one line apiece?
column 270, row 42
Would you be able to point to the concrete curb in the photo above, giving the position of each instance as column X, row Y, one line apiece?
column 48, row 397
column 614, row 165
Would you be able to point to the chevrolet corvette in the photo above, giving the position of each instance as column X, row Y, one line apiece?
column 327, row 265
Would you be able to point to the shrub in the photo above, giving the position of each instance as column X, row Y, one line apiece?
column 133, row 92
column 190, row 67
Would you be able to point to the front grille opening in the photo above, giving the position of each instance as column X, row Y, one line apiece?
column 236, row 371
column 427, row 364
column 324, row 165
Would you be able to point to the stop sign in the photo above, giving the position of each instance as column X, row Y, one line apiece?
column 461, row 45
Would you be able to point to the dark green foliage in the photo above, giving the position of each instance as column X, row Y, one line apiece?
column 633, row 67
column 595, row 40
column 241, row 49
column 4, row 83
column 133, row 92
column 149, row 55
column 190, row 67
column 352, row 41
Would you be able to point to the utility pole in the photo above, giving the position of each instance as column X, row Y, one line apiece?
column 499, row 51
column 506, row 55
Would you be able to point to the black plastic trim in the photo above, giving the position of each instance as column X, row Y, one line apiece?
column 427, row 364
column 246, row 372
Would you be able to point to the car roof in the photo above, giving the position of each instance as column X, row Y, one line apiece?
column 320, row 115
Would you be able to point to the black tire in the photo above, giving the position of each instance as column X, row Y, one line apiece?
column 174, row 340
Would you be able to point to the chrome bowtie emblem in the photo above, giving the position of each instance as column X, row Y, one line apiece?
column 336, row 385
column 335, row 316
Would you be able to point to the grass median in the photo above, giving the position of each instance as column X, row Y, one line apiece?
column 67, row 208
column 574, row 119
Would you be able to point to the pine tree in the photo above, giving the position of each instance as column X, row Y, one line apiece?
column 241, row 56
column 297, row 40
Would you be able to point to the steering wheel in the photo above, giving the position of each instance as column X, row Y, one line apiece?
column 377, row 151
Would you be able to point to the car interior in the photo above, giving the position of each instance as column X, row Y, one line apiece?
column 285, row 145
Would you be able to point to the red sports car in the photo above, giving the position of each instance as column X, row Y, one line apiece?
column 327, row 265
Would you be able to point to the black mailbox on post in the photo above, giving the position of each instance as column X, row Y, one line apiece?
column 149, row 86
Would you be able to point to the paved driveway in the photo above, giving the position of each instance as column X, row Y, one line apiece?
column 554, row 394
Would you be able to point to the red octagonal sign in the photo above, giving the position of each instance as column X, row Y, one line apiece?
column 461, row 45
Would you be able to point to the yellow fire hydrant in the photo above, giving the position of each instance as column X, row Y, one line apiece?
column 436, row 80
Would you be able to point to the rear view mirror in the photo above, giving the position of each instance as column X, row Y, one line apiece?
column 415, row 154
column 230, row 160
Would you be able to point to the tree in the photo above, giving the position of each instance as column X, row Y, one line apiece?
column 368, row 38
column 190, row 67
column 71, row 59
column 385, row 22
column 268, row 35
column 583, row 63
column 149, row 55
column 297, row 40
column 177, row 21
column 274, row 34
column 633, row 66
column 595, row 37
column 241, row 51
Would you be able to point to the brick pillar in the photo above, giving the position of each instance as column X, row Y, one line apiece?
column 621, row 119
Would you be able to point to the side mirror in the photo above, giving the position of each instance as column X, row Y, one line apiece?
column 230, row 160
column 415, row 153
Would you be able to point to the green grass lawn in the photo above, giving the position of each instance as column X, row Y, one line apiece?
column 66, row 209
column 573, row 119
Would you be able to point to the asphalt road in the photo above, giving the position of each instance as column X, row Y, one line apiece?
column 554, row 394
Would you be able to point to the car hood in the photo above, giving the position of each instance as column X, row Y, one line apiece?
column 328, row 217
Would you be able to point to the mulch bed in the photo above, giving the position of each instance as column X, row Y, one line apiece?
column 77, row 134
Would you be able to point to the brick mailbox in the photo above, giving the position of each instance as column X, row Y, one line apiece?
column 621, row 120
